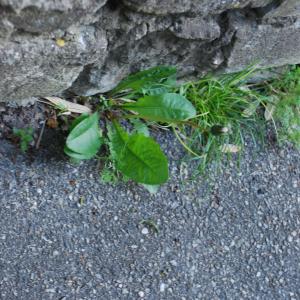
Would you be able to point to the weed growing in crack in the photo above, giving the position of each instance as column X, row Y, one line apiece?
column 209, row 117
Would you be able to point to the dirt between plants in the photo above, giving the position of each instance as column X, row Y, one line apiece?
column 47, row 127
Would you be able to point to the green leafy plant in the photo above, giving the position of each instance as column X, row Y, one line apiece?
column 25, row 136
column 139, row 99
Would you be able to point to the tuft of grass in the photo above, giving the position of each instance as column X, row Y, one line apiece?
column 226, row 112
column 284, row 95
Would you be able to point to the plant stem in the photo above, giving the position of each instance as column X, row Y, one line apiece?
column 184, row 144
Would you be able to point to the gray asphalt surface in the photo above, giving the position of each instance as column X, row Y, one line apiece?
column 64, row 235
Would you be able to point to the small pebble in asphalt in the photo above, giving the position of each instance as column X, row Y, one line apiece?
column 145, row 231
column 141, row 294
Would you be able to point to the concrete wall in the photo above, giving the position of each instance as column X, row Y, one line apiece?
column 50, row 47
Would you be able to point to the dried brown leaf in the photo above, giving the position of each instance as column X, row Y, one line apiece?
column 52, row 123
column 69, row 106
column 269, row 111
column 230, row 148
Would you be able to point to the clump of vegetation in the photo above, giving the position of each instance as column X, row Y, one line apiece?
column 25, row 136
column 226, row 111
column 209, row 117
column 283, row 105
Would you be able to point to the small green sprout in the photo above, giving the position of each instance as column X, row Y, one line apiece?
column 25, row 135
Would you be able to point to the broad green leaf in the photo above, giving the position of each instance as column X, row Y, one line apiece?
column 143, row 161
column 168, row 107
column 117, row 140
column 85, row 137
column 76, row 155
column 138, row 157
column 156, row 89
column 164, row 87
column 78, row 120
column 145, row 78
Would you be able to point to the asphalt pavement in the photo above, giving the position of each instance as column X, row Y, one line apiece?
column 66, row 235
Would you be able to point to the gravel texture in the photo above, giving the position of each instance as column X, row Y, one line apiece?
column 65, row 235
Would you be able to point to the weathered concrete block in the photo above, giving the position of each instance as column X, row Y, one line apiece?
column 105, row 40
column 289, row 8
column 266, row 44
column 39, row 16
column 204, row 7
column 35, row 66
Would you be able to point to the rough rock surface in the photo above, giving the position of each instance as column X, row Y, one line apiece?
column 270, row 44
column 191, row 6
column 104, row 40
